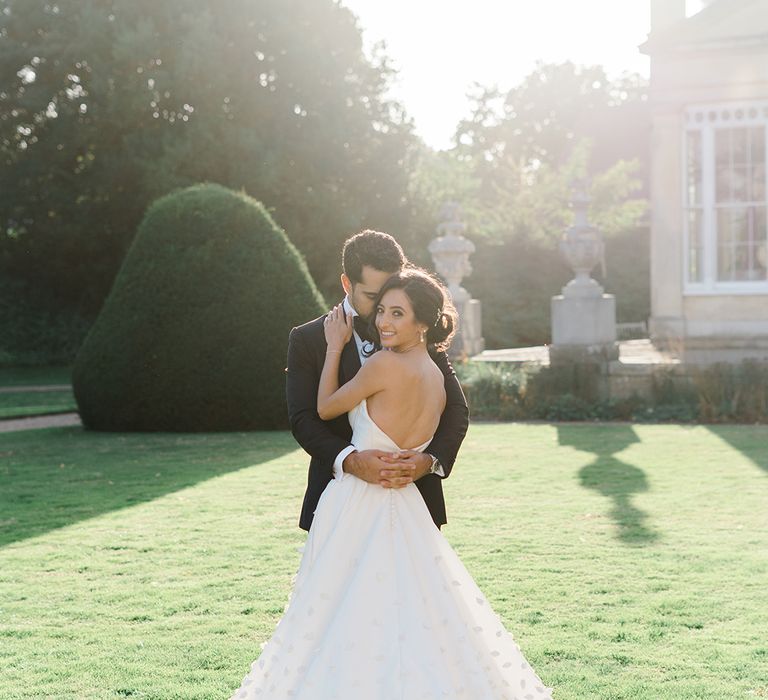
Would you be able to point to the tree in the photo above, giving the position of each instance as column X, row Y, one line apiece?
column 193, row 334
column 517, row 159
column 542, row 120
column 109, row 105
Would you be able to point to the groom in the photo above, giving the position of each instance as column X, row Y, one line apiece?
column 368, row 260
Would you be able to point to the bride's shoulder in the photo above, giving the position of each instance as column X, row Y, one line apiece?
column 394, row 365
column 382, row 358
column 389, row 364
column 379, row 369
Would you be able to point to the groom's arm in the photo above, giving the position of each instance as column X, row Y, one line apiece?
column 454, row 420
column 302, row 380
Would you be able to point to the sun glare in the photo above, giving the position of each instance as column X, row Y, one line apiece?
column 441, row 48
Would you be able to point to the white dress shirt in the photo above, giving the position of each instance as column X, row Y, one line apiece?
column 338, row 471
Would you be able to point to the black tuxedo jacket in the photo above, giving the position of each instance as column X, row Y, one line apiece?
column 323, row 440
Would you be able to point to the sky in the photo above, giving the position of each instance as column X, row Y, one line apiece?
column 442, row 47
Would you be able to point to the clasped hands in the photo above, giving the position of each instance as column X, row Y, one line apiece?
column 392, row 470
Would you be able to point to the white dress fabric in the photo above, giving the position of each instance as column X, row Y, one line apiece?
column 383, row 609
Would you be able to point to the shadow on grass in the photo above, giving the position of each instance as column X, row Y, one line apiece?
column 612, row 478
column 56, row 477
column 747, row 439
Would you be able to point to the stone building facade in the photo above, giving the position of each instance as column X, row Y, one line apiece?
column 709, row 190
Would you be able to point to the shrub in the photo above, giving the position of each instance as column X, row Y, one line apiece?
column 193, row 334
column 563, row 392
column 495, row 391
column 719, row 393
column 680, row 412
column 728, row 392
column 567, row 407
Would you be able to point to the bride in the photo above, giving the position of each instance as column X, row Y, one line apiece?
column 382, row 607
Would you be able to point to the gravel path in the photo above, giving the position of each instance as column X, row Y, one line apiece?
column 54, row 421
column 37, row 387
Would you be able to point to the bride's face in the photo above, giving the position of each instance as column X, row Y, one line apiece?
column 396, row 321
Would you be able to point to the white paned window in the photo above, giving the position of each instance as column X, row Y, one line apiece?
column 726, row 236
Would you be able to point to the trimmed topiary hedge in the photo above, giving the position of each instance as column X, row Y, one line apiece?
column 193, row 335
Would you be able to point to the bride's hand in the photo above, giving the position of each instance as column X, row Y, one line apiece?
column 338, row 328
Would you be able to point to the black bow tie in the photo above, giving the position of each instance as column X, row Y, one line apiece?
column 362, row 328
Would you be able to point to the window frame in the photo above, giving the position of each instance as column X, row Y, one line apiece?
column 706, row 119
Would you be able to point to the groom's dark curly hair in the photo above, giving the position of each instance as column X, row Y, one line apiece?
column 373, row 248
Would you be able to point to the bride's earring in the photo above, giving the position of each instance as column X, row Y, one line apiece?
column 421, row 335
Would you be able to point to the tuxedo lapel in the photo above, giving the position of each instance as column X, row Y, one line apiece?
column 350, row 362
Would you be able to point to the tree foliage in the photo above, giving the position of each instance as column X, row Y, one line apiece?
column 517, row 159
column 106, row 105
column 36, row 328
column 193, row 334
column 542, row 119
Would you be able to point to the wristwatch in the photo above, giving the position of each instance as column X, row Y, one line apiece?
column 435, row 466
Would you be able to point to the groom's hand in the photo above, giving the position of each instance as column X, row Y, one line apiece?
column 369, row 465
column 404, row 468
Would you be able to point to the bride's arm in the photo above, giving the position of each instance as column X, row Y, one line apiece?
column 332, row 401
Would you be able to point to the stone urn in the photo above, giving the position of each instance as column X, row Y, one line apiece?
column 583, row 318
column 450, row 253
column 583, row 247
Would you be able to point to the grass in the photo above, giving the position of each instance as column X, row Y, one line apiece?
column 16, row 404
column 27, row 376
column 630, row 561
column 31, row 403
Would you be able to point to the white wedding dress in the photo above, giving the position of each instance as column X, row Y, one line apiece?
column 383, row 609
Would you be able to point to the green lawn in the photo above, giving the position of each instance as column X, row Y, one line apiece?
column 31, row 403
column 629, row 561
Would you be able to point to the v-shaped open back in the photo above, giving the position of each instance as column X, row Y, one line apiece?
column 366, row 435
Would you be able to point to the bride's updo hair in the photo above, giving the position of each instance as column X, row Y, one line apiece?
column 431, row 304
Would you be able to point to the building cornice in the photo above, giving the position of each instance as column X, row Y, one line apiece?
column 758, row 41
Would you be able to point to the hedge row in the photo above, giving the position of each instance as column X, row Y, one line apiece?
column 720, row 393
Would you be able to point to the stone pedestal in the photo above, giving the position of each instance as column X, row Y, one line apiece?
column 469, row 340
column 583, row 329
column 583, row 317
column 584, row 321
